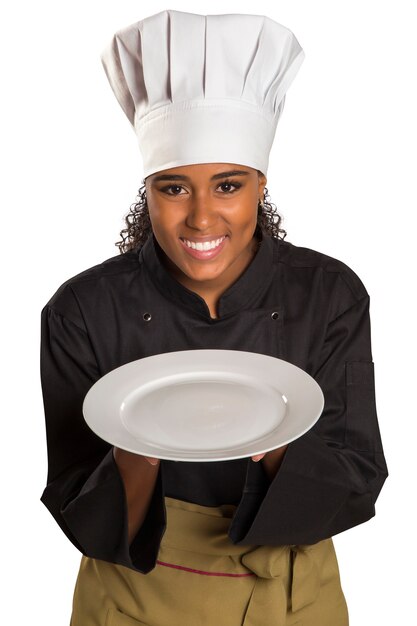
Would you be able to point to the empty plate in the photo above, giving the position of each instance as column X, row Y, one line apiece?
column 203, row 405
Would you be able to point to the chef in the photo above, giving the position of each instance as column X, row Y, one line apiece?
column 204, row 264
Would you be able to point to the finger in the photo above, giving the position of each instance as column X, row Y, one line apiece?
column 152, row 460
column 258, row 457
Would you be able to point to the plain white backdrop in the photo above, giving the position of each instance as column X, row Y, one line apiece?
column 342, row 173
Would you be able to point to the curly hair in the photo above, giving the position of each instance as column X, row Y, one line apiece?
column 139, row 228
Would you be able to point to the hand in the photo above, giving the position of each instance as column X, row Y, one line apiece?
column 123, row 456
column 152, row 460
column 258, row 457
column 272, row 455
column 271, row 460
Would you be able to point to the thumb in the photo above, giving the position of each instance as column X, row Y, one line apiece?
column 152, row 460
column 258, row 457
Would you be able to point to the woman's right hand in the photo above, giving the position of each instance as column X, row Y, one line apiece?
column 139, row 474
column 151, row 460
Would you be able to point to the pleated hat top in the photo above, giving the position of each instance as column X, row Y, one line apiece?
column 202, row 88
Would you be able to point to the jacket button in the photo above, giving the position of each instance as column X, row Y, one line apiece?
column 147, row 317
column 275, row 315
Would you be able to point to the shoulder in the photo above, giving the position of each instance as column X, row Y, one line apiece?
column 294, row 256
column 88, row 284
column 322, row 278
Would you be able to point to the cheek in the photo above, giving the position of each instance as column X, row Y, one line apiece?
column 248, row 216
column 165, row 221
column 241, row 214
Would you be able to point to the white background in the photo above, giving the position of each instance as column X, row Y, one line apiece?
column 342, row 173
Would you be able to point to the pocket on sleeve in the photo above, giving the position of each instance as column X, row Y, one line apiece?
column 362, row 430
column 117, row 618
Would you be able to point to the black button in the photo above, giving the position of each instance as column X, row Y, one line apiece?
column 275, row 315
column 147, row 317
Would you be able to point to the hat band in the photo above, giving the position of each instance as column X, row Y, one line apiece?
column 207, row 131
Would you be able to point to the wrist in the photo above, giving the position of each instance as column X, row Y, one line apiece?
column 130, row 461
column 272, row 461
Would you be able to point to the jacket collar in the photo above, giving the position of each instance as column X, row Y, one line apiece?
column 240, row 295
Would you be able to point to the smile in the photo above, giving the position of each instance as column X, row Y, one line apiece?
column 204, row 250
column 207, row 245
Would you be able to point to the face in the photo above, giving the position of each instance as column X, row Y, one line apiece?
column 204, row 218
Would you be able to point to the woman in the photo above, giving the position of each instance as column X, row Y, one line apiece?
column 247, row 541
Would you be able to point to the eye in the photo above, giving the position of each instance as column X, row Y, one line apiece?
column 165, row 189
column 231, row 184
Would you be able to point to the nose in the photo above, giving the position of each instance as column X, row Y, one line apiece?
column 201, row 215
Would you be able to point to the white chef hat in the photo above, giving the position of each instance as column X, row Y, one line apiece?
column 202, row 88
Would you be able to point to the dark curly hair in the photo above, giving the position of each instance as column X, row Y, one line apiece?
column 139, row 226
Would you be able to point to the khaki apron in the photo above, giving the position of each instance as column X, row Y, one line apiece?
column 202, row 579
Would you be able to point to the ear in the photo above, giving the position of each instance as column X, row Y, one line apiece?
column 262, row 180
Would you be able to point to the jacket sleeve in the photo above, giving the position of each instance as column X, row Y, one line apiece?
column 331, row 476
column 85, row 492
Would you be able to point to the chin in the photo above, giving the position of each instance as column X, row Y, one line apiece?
column 204, row 273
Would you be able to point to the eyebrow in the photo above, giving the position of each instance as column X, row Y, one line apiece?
column 161, row 177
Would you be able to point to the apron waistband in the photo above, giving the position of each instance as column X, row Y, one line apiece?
column 279, row 569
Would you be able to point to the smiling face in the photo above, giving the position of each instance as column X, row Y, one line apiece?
column 204, row 218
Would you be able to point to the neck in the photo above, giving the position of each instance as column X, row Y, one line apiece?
column 213, row 289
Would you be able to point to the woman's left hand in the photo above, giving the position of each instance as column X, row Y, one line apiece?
column 272, row 460
column 272, row 454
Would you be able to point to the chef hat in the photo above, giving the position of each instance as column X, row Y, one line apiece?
column 202, row 88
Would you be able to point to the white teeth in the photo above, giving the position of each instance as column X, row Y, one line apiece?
column 207, row 245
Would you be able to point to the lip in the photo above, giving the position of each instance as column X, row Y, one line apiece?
column 204, row 255
column 203, row 239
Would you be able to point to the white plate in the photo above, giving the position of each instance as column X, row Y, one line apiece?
column 203, row 405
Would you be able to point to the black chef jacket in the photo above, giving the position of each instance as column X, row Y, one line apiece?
column 292, row 303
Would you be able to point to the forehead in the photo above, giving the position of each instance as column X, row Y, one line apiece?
column 202, row 171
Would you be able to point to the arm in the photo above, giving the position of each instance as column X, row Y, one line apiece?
column 139, row 476
column 271, row 460
column 85, row 490
column 329, row 479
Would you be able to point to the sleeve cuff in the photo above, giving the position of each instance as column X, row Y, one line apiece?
column 97, row 517
column 306, row 493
